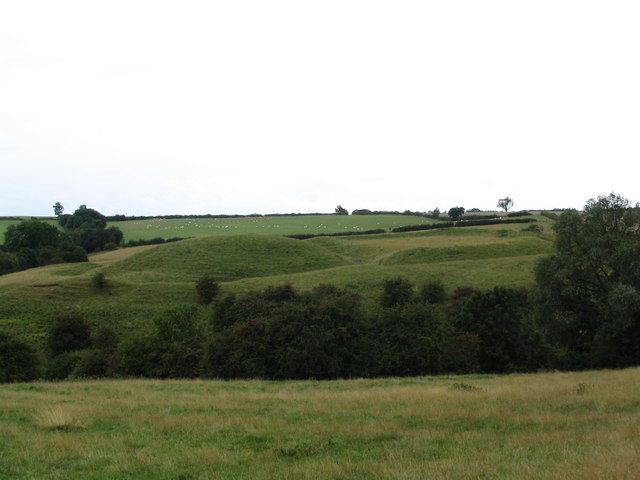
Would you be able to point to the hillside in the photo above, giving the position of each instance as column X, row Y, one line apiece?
column 146, row 280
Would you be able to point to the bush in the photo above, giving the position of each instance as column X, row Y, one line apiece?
column 207, row 288
column 536, row 228
column 109, row 246
column 521, row 213
column 19, row 361
column 396, row 291
column 74, row 254
column 99, row 282
column 305, row 236
column 456, row 213
column 69, row 332
column 433, row 292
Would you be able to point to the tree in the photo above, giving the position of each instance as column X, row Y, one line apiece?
column 456, row 213
column 587, row 291
column 505, row 203
column 70, row 332
column 58, row 209
column 31, row 234
column 435, row 213
column 509, row 340
column 340, row 210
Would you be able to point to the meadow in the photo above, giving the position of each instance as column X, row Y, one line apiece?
column 536, row 426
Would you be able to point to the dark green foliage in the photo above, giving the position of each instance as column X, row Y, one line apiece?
column 412, row 339
column 585, row 292
column 174, row 350
column 461, row 223
column 8, row 263
column 279, row 333
column 396, row 291
column 154, row 241
column 69, row 332
column 31, row 234
column 88, row 229
column 433, row 292
column 509, row 339
column 435, row 213
column 207, row 288
column 83, row 218
column 73, row 253
column 63, row 366
column 99, row 282
column 19, row 361
column 456, row 213
column 340, row 210
column 521, row 213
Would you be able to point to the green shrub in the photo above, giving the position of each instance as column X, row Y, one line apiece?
column 63, row 366
column 207, row 288
column 433, row 292
column 19, row 361
column 8, row 263
column 99, row 282
column 396, row 291
column 69, row 332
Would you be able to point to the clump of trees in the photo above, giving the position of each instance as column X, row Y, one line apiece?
column 340, row 210
column 34, row 243
column 456, row 213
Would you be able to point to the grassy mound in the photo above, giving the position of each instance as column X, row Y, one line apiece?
column 224, row 258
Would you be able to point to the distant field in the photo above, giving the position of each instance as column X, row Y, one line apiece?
column 145, row 281
column 572, row 426
column 204, row 227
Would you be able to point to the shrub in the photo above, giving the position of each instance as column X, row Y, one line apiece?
column 536, row 227
column 109, row 246
column 396, row 291
column 19, row 361
column 99, row 281
column 521, row 213
column 207, row 288
column 74, row 254
column 433, row 292
column 68, row 333
column 456, row 213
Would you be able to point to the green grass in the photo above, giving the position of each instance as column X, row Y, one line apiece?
column 573, row 426
column 145, row 281
column 205, row 227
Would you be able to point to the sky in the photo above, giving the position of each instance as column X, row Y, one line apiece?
column 154, row 107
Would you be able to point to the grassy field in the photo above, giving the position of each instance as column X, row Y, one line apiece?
column 206, row 227
column 145, row 281
column 538, row 426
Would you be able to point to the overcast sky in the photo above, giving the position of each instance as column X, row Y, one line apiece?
column 151, row 107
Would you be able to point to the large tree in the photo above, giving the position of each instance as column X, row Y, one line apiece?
column 588, row 292
column 505, row 203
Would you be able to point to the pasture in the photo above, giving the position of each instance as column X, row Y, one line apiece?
column 537, row 426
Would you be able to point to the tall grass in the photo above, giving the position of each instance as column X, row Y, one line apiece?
column 538, row 426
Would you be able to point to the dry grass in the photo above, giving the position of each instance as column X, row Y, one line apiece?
column 544, row 426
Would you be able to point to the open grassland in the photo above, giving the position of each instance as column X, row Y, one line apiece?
column 538, row 426
column 205, row 227
column 145, row 281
